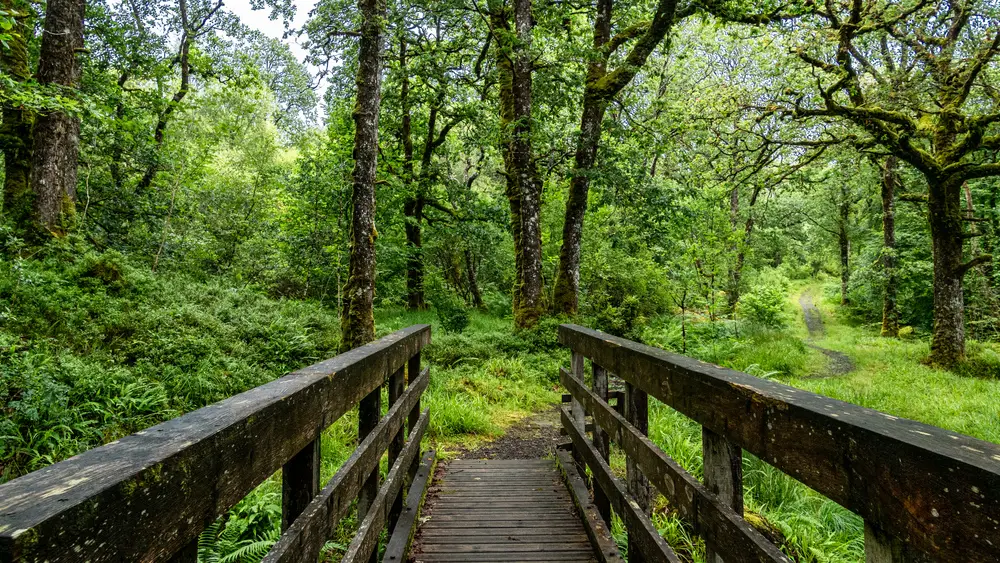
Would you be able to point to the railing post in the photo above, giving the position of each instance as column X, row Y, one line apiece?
column 881, row 548
column 413, row 372
column 397, row 384
column 637, row 414
column 299, row 482
column 601, row 443
column 188, row 554
column 369, row 413
column 576, row 407
column 723, row 468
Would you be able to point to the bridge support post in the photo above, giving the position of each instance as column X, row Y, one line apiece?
column 397, row 384
column 576, row 407
column 369, row 413
column 412, row 373
column 882, row 548
column 637, row 414
column 299, row 482
column 601, row 443
column 723, row 463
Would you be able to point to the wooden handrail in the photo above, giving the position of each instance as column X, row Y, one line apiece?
column 147, row 496
column 921, row 489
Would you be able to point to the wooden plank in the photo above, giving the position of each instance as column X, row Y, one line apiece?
column 412, row 373
column 579, row 414
column 637, row 414
column 506, row 547
column 364, row 546
column 937, row 490
column 581, row 555
column 187, row 471
column 302, row 542
column 504, row 521
column 369, row 411
column 723, row 471
column 402, row 535
column 299, row 482
column 596, row 527
column 648, row 542
column 713, row 519
column 458, row 533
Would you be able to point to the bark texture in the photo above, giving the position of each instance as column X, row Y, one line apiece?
column 601, row 87
column 57, row 134
column 15, row 131
column 357, row 320
column 844, row 241
column 890, row 312
column 524, row 186
column 945, row 214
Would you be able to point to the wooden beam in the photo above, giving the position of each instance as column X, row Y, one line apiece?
column 598, row 531
column 397, row 383
column 601, row 441
column 186, row 472
column 637, row 414
column 936, row 490
column 299, row 482
column 723, row 470
column 734, row 538
column 398, row 545
column 647, row 540
column 303, row 541
column 364, row 546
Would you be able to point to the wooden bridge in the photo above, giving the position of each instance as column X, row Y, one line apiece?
column 925, row 494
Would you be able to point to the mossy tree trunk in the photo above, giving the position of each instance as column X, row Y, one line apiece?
column 524, row 187
column 844, row 241
column 890, row 311
column 15, row 130
column 945, row 215
column 56, row 133
column 358, row 320
column 601, row 87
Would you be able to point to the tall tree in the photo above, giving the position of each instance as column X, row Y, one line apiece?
column 943, row 121
column 890, row 183
column 357, row 319
column 56, row 133
column 511, row 28
column 15, row 130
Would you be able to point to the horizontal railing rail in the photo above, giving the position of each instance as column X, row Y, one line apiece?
column 148, row 496
column 923, row 491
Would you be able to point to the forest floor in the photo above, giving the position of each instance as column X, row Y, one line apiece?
column 532, row 437
column 838, row 363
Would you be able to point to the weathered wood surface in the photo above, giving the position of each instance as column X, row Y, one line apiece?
column 722, row 463
column 597, row 528
column 146, row 496
column 299, row 482
column 643, row 537
column 500, row 510
column 303, row 540
column 713, row 519
column 936, row 490
column 364, row 546
column 406, row 525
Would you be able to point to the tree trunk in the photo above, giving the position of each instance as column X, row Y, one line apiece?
column 845, row 249
column 56, row 134
column 890, row 313
column 15, row 131
column 945, row 217
column 413, row 206
column 470, row 269
column 523, row 183
column 736, row 274
column 594, row 103
column 358, row 320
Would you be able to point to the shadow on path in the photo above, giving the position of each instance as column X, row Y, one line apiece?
column 838, row 362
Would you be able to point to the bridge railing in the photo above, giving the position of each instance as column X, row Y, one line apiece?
column 148, row 496
column 925, row 493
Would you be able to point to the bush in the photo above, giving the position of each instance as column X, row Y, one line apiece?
column 452, row 314
column 764, row 304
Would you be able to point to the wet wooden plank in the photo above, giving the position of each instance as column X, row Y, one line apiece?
column 146, row 496
column 406, row 524
column 936, row 490
column 598, row 530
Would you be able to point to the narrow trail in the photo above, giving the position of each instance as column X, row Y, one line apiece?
column 533, row 437
column 838, row 362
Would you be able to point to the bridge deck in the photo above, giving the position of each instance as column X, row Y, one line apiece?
column 500, row 510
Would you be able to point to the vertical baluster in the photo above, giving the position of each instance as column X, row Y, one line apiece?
column 299, row 482
column 600, row 387
column 576, row 407
column 637, row 414
column 413, row 372
column 882, row 548
column 723, row 462
column 187, row 554
column 369, row 413
column 397, row 383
